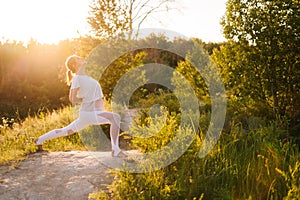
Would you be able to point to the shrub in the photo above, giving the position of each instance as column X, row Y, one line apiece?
column 256, row 165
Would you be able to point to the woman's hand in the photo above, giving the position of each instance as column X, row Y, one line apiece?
column 73, row 96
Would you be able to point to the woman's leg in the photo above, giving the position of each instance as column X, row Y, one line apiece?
column 75, row 126
column 115, row 120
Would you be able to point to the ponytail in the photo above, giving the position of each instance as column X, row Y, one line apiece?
column 69, row 77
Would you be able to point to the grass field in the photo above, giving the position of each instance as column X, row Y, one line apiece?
column 16, row 141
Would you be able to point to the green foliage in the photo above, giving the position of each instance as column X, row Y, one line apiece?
column 158, row 131
column 257, row 165
column 292, row 180
column 261, row 59
column 99, row 196
column 159, row 97
column 148, row 185
column 111, row 60
column 109, row 67
column 253, row 159
column 196, row 69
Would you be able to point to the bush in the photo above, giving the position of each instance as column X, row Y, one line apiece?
column 256, row 165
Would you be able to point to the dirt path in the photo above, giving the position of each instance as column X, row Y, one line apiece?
column 56, row 175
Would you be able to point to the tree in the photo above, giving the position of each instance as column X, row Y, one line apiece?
column 110, row 18
column 261, row 58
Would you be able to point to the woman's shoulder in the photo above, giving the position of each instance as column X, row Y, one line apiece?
column 75, row 76
column 85, row 78
column 80, row 76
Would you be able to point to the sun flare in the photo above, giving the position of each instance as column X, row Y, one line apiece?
column 47, row 21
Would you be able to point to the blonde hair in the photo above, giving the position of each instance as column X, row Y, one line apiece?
column 71, row 65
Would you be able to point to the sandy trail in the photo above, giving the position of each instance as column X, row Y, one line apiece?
column 56, row 175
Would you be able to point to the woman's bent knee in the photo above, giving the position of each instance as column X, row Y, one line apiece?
column 116, row 118
column 70, row 132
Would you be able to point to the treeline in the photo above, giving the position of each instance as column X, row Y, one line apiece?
column 32, row 78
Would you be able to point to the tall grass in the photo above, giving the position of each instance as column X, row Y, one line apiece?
column 253, row 165
column 16, row 141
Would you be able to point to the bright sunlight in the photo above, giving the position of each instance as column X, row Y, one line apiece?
column 47, row 21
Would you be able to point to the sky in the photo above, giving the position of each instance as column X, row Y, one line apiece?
column 49, row 21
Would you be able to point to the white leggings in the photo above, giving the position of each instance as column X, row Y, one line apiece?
column 85, row 119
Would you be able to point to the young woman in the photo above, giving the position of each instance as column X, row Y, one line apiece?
column 86, row 91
